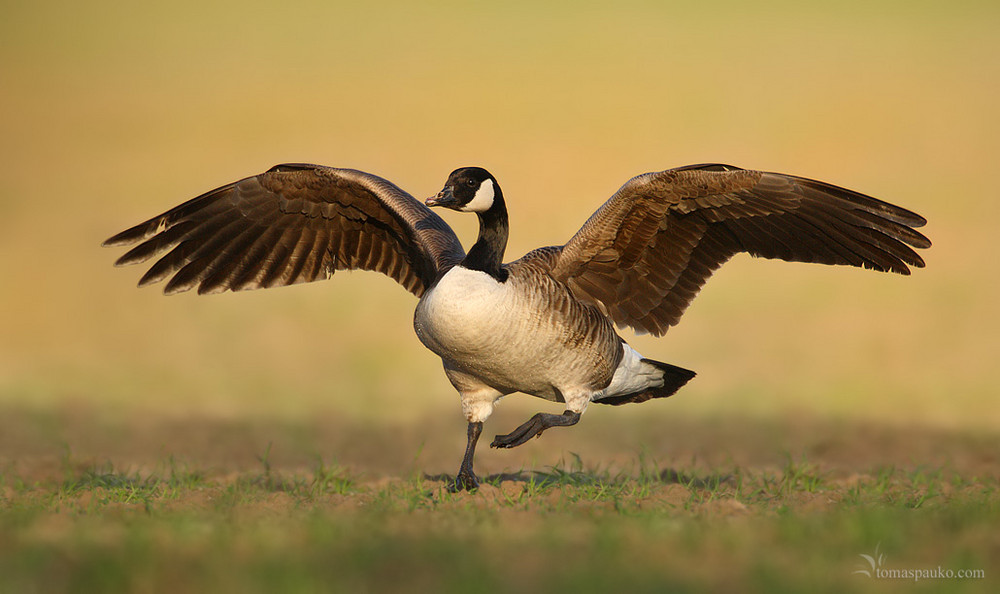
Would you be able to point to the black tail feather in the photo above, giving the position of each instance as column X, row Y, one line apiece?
column 673, row 379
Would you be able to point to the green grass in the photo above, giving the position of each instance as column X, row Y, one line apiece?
column 571, row 526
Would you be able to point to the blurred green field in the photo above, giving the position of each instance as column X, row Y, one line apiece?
column 111, row 113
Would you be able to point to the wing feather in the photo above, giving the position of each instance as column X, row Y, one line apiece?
column 292, row 224
column 647, row 252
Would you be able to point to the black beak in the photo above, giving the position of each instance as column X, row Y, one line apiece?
column 445, row 197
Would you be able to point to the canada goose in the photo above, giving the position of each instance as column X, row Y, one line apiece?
column 544, row 324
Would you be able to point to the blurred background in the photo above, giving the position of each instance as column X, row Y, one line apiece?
column 111, row 112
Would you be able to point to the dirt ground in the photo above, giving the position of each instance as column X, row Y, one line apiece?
column 38, row 444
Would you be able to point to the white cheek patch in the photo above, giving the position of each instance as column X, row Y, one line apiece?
column 483, row 199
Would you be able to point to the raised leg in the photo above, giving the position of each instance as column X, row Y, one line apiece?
column 466, row 479
column 535, row 426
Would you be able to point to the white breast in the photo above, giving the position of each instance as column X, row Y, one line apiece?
column 464, row 314
column 508, row 337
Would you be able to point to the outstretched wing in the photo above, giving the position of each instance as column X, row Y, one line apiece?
column 293, row 224
column 645, row 254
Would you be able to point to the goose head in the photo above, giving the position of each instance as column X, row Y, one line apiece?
column 473, row 189
column 469, row 189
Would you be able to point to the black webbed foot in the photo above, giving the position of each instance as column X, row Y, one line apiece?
column 465, row 481
column 533, row 427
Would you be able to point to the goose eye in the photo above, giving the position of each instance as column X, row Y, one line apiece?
column 470, row 182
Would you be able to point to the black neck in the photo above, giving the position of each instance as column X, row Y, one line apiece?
column 487, row 253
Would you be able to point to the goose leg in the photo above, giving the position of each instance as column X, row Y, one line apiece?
column 534, row 426
column 466, row 479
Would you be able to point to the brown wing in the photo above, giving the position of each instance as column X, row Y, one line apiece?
column 645, row 254
column 293, row 224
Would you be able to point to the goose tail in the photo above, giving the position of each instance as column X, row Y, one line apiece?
column 638, row 379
